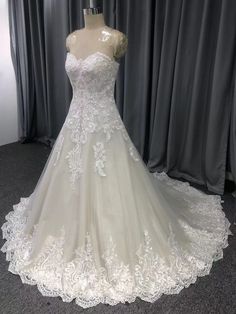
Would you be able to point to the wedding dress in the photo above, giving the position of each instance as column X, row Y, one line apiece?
column 99, row 227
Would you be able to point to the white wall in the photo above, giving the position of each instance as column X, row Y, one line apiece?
column 8, row 104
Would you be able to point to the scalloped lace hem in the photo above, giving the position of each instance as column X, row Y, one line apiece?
column 89, row 285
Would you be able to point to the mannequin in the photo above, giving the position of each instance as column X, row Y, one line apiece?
column 96, row 36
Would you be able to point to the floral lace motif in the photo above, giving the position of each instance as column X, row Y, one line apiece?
column 75, row 163
column 81, row 279
column 133, row 153
column 100, row 158
column 92, row 109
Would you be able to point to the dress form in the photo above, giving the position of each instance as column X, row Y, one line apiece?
column 96, row 36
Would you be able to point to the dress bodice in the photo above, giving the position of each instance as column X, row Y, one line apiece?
column 93, row 76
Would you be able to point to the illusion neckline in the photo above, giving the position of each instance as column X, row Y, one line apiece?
column 92, row 54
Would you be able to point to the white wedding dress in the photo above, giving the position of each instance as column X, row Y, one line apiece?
column 99, row 227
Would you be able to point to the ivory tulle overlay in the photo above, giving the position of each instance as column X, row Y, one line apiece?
column 99, row 227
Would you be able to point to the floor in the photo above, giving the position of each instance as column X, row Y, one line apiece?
column 20, row 167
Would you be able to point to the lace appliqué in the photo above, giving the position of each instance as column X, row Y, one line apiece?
column 92, row 109
column 132, row 149
column 89, row 284
column 133, row 153
column 75, row 163
column 100, row 158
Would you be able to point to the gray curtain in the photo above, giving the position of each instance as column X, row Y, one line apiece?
column 231, row 160
column 174, row 89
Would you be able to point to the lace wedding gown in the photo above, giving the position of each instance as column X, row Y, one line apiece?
column 99, row 227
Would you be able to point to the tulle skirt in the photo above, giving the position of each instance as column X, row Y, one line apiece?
column 115, row 233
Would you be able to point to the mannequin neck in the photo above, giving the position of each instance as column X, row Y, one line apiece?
column 93, row 21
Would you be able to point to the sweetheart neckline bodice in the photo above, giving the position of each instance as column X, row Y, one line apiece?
column 93, row 55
